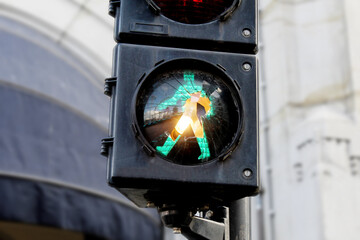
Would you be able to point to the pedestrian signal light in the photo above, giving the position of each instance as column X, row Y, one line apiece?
column 183, row 126
column 188, row 112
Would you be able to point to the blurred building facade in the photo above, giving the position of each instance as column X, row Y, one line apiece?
column 309, row 120
column 54, row 57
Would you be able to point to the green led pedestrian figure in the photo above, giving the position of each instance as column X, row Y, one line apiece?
column 193, row 96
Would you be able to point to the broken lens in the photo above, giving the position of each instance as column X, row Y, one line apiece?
column 189, row 115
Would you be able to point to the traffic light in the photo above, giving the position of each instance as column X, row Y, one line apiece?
column 183, row 116
column 224, row 25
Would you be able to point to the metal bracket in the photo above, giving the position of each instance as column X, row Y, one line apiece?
column 106, row 143
column 112, row 7
column 109, row 83
column 236, row 224
column 201, row 228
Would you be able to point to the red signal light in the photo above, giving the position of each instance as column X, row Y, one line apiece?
column 193, row 11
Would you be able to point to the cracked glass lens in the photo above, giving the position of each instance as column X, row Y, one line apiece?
column 188, row 116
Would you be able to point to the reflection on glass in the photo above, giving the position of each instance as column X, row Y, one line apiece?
column 193, row 11
column 188, row 116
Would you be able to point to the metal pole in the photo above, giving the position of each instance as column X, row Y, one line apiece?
column 239, row 212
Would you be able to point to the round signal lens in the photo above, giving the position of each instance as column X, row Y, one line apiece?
column 187, row 113
column 193, row 11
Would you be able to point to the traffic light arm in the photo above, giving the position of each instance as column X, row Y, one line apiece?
column 201, row 228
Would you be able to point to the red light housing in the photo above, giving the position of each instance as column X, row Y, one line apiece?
column 194, row 11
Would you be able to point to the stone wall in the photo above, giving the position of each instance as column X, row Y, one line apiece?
column 309, row 108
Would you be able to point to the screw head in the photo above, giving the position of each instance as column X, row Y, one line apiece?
column 247, row 173
column 246, row 66
column 246, row 32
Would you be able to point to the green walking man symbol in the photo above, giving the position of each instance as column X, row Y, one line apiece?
column 193, row 96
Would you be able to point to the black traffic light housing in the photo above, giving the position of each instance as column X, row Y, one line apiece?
column 141, row 174
column 143, row 22
column 151, row 40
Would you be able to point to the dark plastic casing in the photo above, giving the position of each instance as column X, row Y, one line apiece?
column 145, row 177
column 137, row 22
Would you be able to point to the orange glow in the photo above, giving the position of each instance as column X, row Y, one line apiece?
column 190, row 115
column 183, row 123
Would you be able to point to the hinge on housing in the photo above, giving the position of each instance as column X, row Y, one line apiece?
column 106, row 143
column 109, row 83
column 112, row 7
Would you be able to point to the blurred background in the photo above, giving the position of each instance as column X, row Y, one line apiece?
column 54, row 57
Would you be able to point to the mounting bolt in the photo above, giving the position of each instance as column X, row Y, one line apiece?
column 209, row 214
column 247, row 173
column 246, row 66
column 246, row 32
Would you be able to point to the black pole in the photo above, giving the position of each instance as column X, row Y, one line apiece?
column 239, row 213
